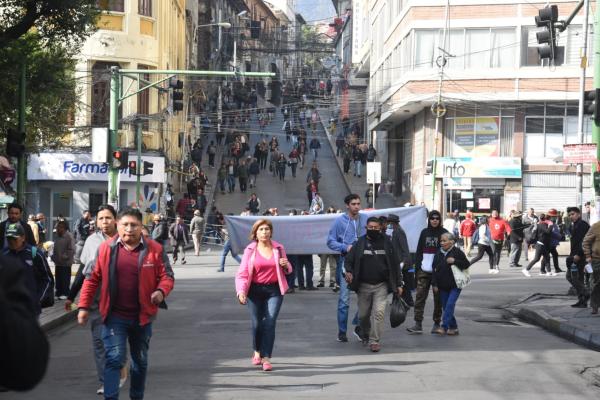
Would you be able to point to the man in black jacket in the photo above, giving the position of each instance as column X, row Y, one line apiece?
column 576, row 259
column 516, row 237
column 24, row 348
column 400, row 243
column 15, row 215
column 372, row 271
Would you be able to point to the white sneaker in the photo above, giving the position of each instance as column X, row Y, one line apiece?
column 526, row 273
column 491, row 271
column 100, row 390
column 496, row 271
column 62, row 297
column 122, row 382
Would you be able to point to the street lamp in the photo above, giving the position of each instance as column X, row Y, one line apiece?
column 225, row 25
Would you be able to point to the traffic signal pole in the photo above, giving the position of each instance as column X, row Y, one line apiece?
column 116, row 75
column 22, row 160
column 580, row 120
column 595, row 127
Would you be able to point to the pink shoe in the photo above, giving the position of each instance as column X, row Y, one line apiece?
column 267, row 366
column 256, row 360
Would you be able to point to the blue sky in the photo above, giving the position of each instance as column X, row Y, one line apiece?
column 313, row 10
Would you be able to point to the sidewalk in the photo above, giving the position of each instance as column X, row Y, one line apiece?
column 554, row 313
column 355, row 184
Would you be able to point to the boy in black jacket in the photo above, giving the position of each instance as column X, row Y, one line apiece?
column 576, row 259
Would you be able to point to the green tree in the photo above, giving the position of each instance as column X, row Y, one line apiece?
column 66, row 21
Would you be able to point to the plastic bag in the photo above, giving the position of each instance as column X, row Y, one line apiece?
column 398, row 311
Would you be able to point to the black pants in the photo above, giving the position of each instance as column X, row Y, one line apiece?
column 552, row 252
column 305, row 263
column 540, row 252
column 481, row 250
column 63, row 280
column 211, row 160
column 263, row 161
column 575, row 276
column 243, row 184
column 346, row 165
column 498, row 244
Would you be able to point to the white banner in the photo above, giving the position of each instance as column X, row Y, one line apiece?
column 80, row 167
column 307, row 234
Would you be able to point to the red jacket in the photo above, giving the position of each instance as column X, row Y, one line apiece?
column 467, row 228
column 498, row 227
column 155, row 273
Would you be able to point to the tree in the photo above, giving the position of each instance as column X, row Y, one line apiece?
column 69, row 22
column 51, row 90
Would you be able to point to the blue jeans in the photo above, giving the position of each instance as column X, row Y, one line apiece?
column 357, row 165
column 231, row 182
column 227, row 249
column 449, row 299
column 344, row 299
column 264, row 302
column 115, row 334
column 221, row 184
column 305, row 261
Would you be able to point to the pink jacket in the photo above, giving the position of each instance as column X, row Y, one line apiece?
column 243, row 278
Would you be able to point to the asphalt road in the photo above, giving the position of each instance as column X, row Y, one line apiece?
column 201, row 350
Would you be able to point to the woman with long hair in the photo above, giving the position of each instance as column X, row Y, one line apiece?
column 261, row 283
column 483, row 239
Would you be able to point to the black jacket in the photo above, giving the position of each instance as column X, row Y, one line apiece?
column 28, row 233
column 578, row 231
column 24, row 348
column 429, row 242
column 353, row 258
column 517, row 230
column 443, row 277
column 542, row 233
column 401, row 245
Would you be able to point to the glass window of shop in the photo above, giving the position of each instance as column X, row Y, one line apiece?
column 550, row 125
column 484, row 130
column 480, row 201
column 61, row 208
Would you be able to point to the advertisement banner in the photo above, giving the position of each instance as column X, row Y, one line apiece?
column 478, row 167
column 80, row 167
column 477, row 137
column 307, row 234
column 579, row 153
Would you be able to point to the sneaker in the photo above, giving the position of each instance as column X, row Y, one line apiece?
column 183, row 261
column 436, row 329
column 336, row 289
column 542, row 273
column 526, row 273
column 375, row 347
column 342, row 337
column 416, row 329
column 63, row 297
column 496, row 271
column 559, row 271
column 321, row 284
column 491, row 271
column 221, row 270
column 356, row 332
column 122, row 382
column 100, row 390
column 452, row 332
column 332, row 284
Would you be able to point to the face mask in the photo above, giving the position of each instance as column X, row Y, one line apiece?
column 373, row 234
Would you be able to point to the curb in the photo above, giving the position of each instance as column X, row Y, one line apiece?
column 61, row 320
column 559, row 327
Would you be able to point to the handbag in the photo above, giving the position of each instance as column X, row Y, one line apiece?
column 398, row 311
column 462, row 278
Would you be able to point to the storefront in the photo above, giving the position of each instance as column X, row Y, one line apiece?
column 480, row 184
column 66, row 184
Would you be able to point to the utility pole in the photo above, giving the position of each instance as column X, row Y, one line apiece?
column 439, row 109
column 138, row 169
column 113, row 128
column 22, row 161
column 580, row 120
column 595, row 127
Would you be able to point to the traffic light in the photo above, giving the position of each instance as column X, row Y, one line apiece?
column 147, row 168
column 176, row 94
column 429, row 167
column 592, row 104
column 132, row 168
column 120, row 159
column 547, row 17
column 15, row 143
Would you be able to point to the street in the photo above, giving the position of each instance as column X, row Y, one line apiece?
column 200, row 349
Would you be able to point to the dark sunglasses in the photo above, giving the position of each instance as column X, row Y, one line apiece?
column 434, row 219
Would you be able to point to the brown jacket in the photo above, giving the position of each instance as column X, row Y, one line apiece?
column 591, row 242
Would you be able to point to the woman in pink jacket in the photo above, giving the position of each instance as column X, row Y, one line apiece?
column 260, row 282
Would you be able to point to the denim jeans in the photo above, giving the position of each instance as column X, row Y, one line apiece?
column 226, row 250
column 221, row 184
column 344, row 299
column 305, row 262
column 98, row 344
column 264, row 302
column 357, row 165
column 231, row 182
column 115, row 334
column 449, row 299
column 515, row 253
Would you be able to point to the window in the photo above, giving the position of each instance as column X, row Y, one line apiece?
column 143, row 100
column 111, row 5
column 546, row 133
column 425, row 48
column 575, row 43
column 145, row 7
column 477, row 48
column 503, row 45
column 101, row 93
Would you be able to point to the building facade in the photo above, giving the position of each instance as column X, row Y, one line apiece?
column 132, row 34
column 499, row 145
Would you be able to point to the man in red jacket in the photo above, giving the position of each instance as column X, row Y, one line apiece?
column 467, row 229
column 134, row 277
column 499, row 228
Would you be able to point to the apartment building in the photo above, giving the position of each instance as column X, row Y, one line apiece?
column 133, row 34
column 508, row 116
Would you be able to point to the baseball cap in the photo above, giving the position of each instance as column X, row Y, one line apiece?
column 14, row 231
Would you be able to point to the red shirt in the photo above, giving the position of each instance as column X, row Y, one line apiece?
column 498, row 227
column 265, row 271
column 467, row 227
column 126, row 304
